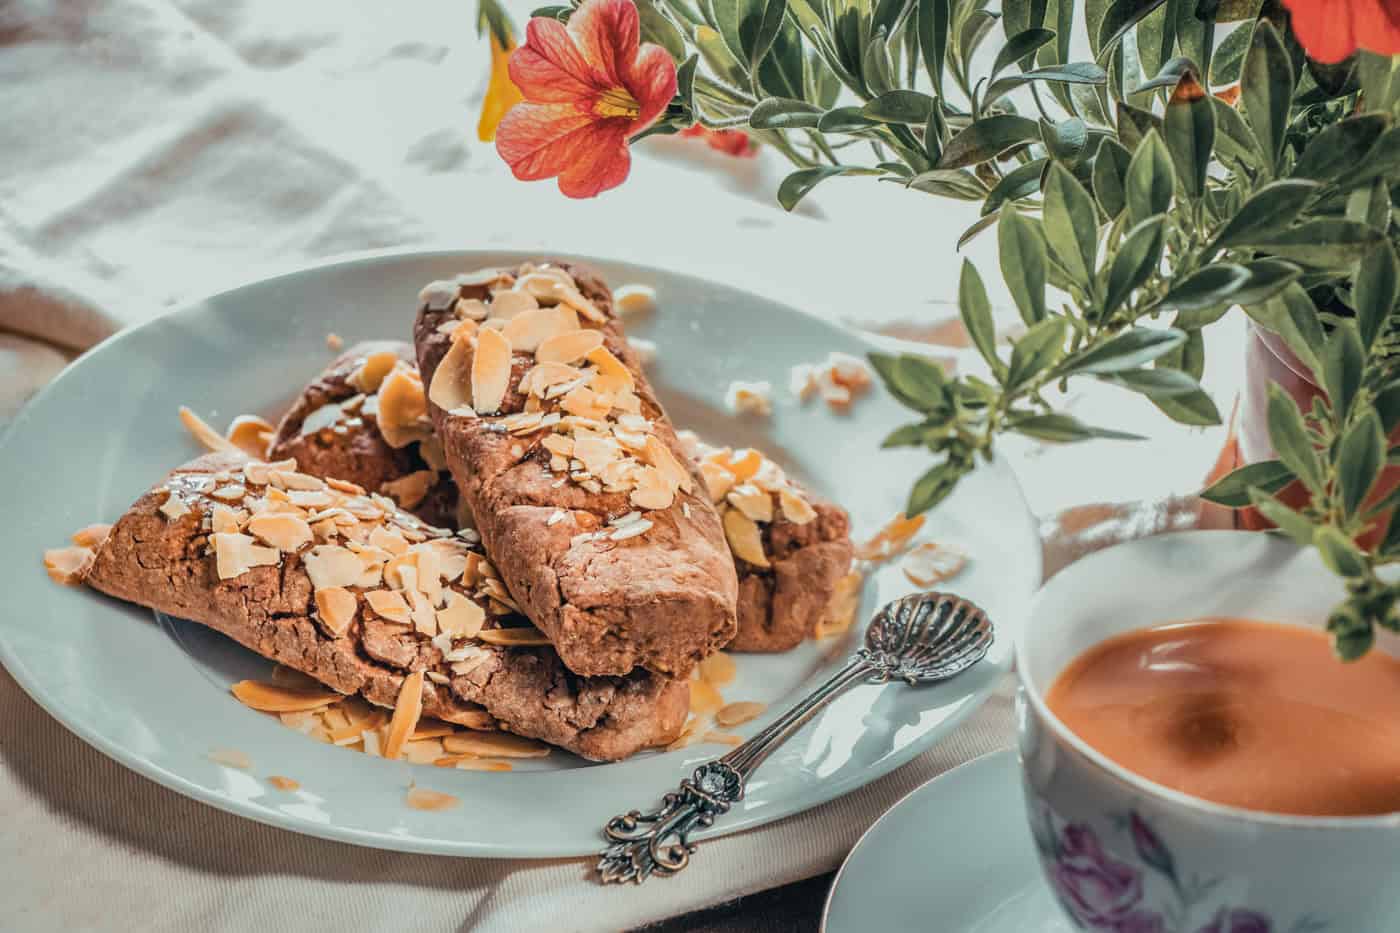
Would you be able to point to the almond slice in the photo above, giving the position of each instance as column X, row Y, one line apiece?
column 389, row 605
column 718, row 480
column 373, row 370
column 223, row 519
column 433, row 801
column 653, row 491
column 246, row 433
column 743, row 464
column 330, row 565
column 659, row 455
column 717, row 669
column 752, row 501
column 494, row 745
column 231, row 757
column 432, row 729
column 277, row 780
column 236, row 554
column 403, row 408
column 461, row 618
column 722, row 738
column 841, row 611
column 744, row 538
column 336, row 607
column 451, row 385
column 527, row 330
column 471, row 763
column 796, row 509
column 525, row 637
column 567, row 348
column 206, row 435
column 490, row 371
column 69, row 565
column 738, row 713
column 930, row 563
column 409, row 491
column 507, row 303
column 275, row 698
column 704, row 698
column 406, row 712
column 634, row 299
column 611, row 366
column 92, row 536
column 422, row 752
column 174, row 507
column 282, row 530
column 891, row 539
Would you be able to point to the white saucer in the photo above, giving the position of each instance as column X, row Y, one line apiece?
column 955, row 856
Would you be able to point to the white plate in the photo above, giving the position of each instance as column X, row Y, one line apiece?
column 155, row 698
column 954, row 856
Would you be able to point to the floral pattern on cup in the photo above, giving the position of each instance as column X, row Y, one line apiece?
column 1105, row 892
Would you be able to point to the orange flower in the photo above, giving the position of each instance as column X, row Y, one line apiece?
column 1330, row 30
column 588, row 88
column 731, row 142
column 501, row 92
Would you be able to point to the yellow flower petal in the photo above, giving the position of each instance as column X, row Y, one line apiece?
column 501, row 92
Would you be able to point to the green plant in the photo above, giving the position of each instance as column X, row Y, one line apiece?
column 1133, row 208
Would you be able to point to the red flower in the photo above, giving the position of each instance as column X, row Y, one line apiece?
column 730, row 142
column 1330, row 30
column 588, row 88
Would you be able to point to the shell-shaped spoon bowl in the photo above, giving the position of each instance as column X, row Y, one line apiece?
column 926, row 637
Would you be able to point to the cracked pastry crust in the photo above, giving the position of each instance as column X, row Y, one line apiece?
column 165, row 553
column 660, row 600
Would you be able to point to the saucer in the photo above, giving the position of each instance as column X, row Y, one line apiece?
column 954, row 856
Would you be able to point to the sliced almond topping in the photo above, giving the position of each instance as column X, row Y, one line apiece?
column 432, row 729
column 659, row 455
column 330, row 565
column 653, row 491
column 718, row 668
column 849, row 371
column 388, row 539
column 891, row 539
column 174, row 507
column 91, row 536
column 259, row 473
column 796, row 509
column 718, row 480
column 544, row 376
column 281, row 530
column 290, row 479
column 744, row 464
column 704, row 698
column 527, row 330
column 408, row 491
column 567, row 348
column 471, row 309
column 745, row 540
column 236, row 554
column 508, row 303
column 749, row 398
column 841, row 611
column 403, row 408
column 631, row 531
column 275, row 698
column 471, row 763
column 722, row 738
column 494, row 745
column 234, row 492
column 634, row 299
column 420, row 798
column 526, row 637
column 373, row 370
column 277, row 780
column 802, row 381
column 246, row 432
column 204, row 433
column 406, row 712
column 738, row 713
column 336, row 606
column 462, row 618
column 752, row 501
column 421, row 611
column 452, row 385
column 389, row 604
column 231, row 757
column 69, row 565
column 422, row 752
column 930, row 563
column 611, row 366
column 224, row 520
column 490, row 371
column 585, row 403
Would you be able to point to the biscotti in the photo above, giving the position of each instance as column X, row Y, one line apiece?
column 333, row 430
column 791, row 548
column 599, row 525
column 348, row 589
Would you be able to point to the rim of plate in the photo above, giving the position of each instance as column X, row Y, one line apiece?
column 785, row 806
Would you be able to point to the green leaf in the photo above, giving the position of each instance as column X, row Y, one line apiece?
column 1228, row 61
column 1111, row 177
column 1387, row 405
column 900, row 107
column 982, row 223
column 1169, row 75
column 845, row 120
column 1178, row 395
column 906, row 435
column 1382, row 161
column 1338, row 553
column 977, row 317
column 1294, row 524
column 760, row 32
column 1021, row 182
column 1327, row 242
column 1343, row 362
column 1062, row 428
column 1121, row 16
column 1359, row 460
column 949, row 183
column 987, row 139
column 1151, row 179
column 1353, row 636
column 1134, row 123
column 1071, row 73
column 1071, row 225
column 1207, row 287
column 933, row 19
column 1290, row 438
column 1190, row 132
column 1232, row 490
column 1340, row 147
column 796, row 186
column 1266, row 89
column 933, row 487
column 1233, row 138
column 1270, row 209
column 717, row 56
column 1020, row 46
column 1293, row 316
column 974, row 29
column 1375, row 292
column 1065, row 140
column 1138, row 256
column 1129, row 349
column 781, row 113
column 916, row 381
column 1021, row 247
column 1037, row 351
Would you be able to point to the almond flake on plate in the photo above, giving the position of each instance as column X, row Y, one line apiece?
column 231, row 757
column 634, row 299
column 704, row 698
column 246, row 432
column 930, row 563
column 275, row 698
column 749, row 398
column 206, row 435
column 738, row 713
column 494, row 745
column 406, row 712
column 890, row 539
column 91, row 536
column 420, row 798
column 69, row 565
column 722, row 738
column 717, row 669
column 283, row 783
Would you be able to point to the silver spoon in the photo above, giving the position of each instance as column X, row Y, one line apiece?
column 920, row 639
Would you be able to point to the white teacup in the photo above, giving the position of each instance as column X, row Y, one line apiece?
column 1126, row 855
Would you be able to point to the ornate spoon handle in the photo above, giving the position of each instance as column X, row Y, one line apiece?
column 658, row 841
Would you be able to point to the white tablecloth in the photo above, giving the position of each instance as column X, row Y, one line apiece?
column 155, row 150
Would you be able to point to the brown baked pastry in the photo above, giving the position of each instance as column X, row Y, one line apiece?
column 346, row 588
column 584, row 498
column 791, row 548
column 332, row 430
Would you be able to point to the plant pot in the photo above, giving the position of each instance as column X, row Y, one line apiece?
column 1269, row 361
